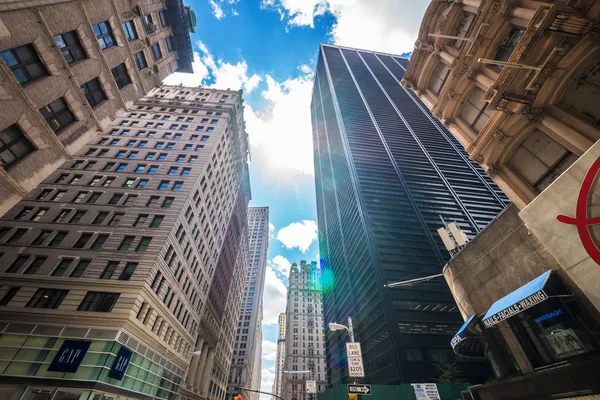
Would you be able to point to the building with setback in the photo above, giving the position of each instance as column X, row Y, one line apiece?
column 246, row 363
column 280, row 356
column 69, row 68
column 304, row 338
column 137, row 246
column 385, row 172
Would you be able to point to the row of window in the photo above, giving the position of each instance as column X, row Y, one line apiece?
column 94, row 151
column 157, row 145
column 165, row 135
column 160, row 125
column 52, row 298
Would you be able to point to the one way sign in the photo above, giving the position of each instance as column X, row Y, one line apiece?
column 364, row 390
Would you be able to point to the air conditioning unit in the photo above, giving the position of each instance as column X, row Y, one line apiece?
column 150, row 28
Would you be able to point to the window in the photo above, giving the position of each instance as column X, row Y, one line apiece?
column 77, row 216
column 47, row 298
column 462, row 29
column 39, row 214
column 540, row 160
column 24, row 213
column 152, row 201
column 582, row 96
column 156, row 53
column 162, row 15
column 150, row 156
column 104, row 35
column 109, row 270
column 157, row 221
column 149, row 24
column 93, row 198
column 140, row 60
column 43, row 194
column 115, row 199
column 144, row 243
column 57, row 114
column 152, row 170
column 193, row 159
column 58, row 195
column 130, row 31
column 127, row 240
column 14, row 146
column 474, row 110
column 16, row 236
column 130, row 199
column 24, row 63
column 98, row 302
column 163, row 185
column 121, row 76
column 140, row 220
column 82, row 241
column 70, row 46
column 100, row 218
column 35, row 265
column 80, row 268
column 142, row 183
column 93, row 92
column 199, row 147
column 99, row 242
column 177, row 186
column 9, row 295
column 57, row 239
column 128, row 271
column 62, row 266
column 116, row 218
column 167, row 202
column 180, row 158
column 162, row 156
column 185, row 171
column 170, row 45
column 132, row 154
column 439, row 78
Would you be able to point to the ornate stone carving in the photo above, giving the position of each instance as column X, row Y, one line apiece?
column 450, row 94
column 499, row 136
column 446, row 121
column 492, row 171
column 463, row 69
column 472, row 74
column 479, row 159
column 438, row 115
column 495, row 7
column 425, row 46
column 507, row 9
column 407, row 83
column 534, row 114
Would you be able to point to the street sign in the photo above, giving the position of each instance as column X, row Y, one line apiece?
column 311, row 386
column 426, row 391
column 355, row 363
column 364, row 390
column 353, row 349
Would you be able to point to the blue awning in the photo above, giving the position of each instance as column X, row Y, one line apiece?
column 521, row 299
column 467, row 342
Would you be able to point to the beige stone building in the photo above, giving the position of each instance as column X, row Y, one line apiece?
column 122, row 272
column 517, row 84
column 545, row 100
column 69, row 68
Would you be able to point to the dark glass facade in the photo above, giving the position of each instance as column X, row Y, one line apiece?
column 385, row 172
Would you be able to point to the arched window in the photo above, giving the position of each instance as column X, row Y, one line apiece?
column 583, row 96
column 508, row 45
column 462, row 29
column 439, row 78
column 540, row 160
column 474, row 111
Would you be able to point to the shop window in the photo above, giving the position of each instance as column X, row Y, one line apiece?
column 508, row 45
column 540, row 160
column 70, row 46
column 14, row 146
column 24, row 63
column 582, row 97
column 439, row 78
column 57, row 114
column 474, row 110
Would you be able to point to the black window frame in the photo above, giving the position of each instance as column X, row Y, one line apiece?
column 140, row 60
column 47, row 298
column 18, row 141
column 170, row 43
column 156, row 56
column 22, row 67
column 121, row 76
column 99, row 301
column 54, row 118
column 106, row 40
column 94, row 93
column 71, row 48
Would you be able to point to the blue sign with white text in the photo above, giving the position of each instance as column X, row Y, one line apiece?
column 69, row 356
column 121, row 362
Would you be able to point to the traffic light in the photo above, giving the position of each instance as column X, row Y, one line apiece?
column 352, row 396
column 238, row 397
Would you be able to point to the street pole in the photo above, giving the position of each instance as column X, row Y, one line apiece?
column 350, row 329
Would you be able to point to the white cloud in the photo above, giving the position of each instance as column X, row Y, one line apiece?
column 283, row 132
column 269, row 350
column 281, row 265
column 383, row 25
column 266, row 382
column 217, row 9
column 185, row 79
column 298, row 234
column 275, row 297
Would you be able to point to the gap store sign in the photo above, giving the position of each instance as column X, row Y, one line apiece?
column 70, row 355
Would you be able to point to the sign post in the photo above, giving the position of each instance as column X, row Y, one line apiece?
column 355, row 362
column 360, row 389
column 426, row 391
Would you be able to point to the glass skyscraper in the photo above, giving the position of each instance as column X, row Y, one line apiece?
column 385, row 172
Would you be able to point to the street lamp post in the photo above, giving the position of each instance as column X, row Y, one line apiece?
column 334, row 326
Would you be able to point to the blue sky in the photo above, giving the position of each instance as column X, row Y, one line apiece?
column 269, row 49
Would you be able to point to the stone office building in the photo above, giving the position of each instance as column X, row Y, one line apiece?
column 516, row 82
column 136, row 246
column 304, row 334
column 279, row 357
column 69, row 68
column 246, row 362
